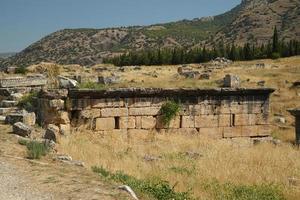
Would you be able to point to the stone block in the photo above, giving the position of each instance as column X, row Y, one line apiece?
column 107, row 103
column 127, row 122
column 250, row 131
column 261, row 119
column 146, row 111
column 52, row 133
column 232, row 81
column 230, row 132
column 90, row 113
column 148, row 122
column 174, row 123
column 8, row 103
column 224, row 120
column 138, row 122
column 213, row 132
column 80, row 104
column 243, row 120
column 57, row 104
column 4, row 111
column 114, row 112
column 264, row 130
column 22, row 129
column 65, row 129
column 104, row 124
column 29, row 119
column 204, row 121
column 188, row 122
column 2, row 119
column 14, row 117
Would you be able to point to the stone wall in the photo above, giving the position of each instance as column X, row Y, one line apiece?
column 13, row 82
column 217, row 113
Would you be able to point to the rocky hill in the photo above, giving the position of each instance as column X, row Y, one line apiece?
column 251, row 21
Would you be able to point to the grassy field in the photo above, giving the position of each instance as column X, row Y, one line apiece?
column 204, row 167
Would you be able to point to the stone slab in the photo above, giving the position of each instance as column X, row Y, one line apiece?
column 104, row 124
column 147, row 111
column 114, row 112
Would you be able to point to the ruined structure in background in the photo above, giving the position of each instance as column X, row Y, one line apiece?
column 217, row 113
column 296, row 113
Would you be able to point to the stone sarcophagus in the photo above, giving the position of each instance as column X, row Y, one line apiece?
column 217, row 113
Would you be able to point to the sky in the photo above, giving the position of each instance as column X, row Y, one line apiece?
column 23, row 22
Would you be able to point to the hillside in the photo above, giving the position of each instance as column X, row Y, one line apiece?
column 242, row 23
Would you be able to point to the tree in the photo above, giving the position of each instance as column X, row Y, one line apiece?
column 275, row 44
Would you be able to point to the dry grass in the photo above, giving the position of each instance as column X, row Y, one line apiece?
column 218, row 160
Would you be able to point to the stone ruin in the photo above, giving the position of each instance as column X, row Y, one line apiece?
column 216, row 113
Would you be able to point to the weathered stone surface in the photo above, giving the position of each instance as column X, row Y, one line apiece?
column 57, row 104
column 23, row 82
column 231, row 81
column 16, row 96
column 52, row 133
column 114, row 112
column 107, row 103
column 140, row 102
column 147, row 111
column 127, row 122
column 2, row 119
column 90, row 113
column 174, row 123
column 4, row 111
column 63, row 117
column 21, row 129
column 230, row 132
column 212, row 132
column 66, row 83
column 8, row 103
column 104, row 124
column 138, row 122
column 14, row 117
column 188, row 122
column 65, row 129
column 109, row 80
column 148, row 122
column 80, row 104
column 29, row 119
column 204, row 121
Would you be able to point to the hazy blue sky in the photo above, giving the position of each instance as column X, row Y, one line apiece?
column 23, row 22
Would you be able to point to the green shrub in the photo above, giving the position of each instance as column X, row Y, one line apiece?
column 155, row 188
column 21, row 70
column 230, row 191
column 275, row 55
column 23, row 142
column 91, row 85
column 169, row 110
column 36, row 150
column 28, row 102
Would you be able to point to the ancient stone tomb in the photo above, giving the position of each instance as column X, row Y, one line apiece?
column 217, row 113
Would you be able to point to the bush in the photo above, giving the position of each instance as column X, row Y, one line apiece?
column 91, row 85
column 275, row 55
column 21, row 70
column 168, row 111
column 230, row 191
column 155, row 188
column 36, row 150
column 28, row 102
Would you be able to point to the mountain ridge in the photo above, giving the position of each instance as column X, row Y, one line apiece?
column 251, row 21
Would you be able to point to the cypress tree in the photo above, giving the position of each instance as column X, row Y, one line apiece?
column 275, row 44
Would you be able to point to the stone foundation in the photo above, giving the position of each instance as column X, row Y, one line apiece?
column 217, row 113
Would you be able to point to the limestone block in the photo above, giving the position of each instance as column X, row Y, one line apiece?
column 232, row 81
column 52, row 133
column 80, row 104
column 138, row 122
column 157, row 101
column 250, row 131
column 114, row 112
column 127, row 122
column 261, row 119
column 8, row 103
column 22, row 129
column 184, row 131
column 104, row 124
column 204, row 121
column 107, row 103
column 174, row 123
column 243, row 120
column 146, row 111
column 57, row 104
column 65, row 129
column 29, row 119
column 212, row 132
column 135, row 132
column 188, row 122
column 235, row 131
column 90, row 113
column 264, row 130
column 63, row 117
column 148, row 122
column 224, row 120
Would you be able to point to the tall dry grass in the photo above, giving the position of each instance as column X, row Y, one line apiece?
column 188, row 160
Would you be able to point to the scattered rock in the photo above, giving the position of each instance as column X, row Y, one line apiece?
column 57, row 104
column 137, row 68
column 2, row 119
column 4, row 111
column 52, row 133
column 294, row 182
column 280, row 119
column 261, row 83
column 193, row 154
column 63, row 157
column 29, row 119
column 109, row 80
column 191, row 74
column 260, row 65
column 16, row 96
column 205, row 76
column 129, row 190
column 150, row 158
column 221, row 61
column 66, row 83
column 21, row 129
column 232, row 81
column 14, row 118
column 8, row 103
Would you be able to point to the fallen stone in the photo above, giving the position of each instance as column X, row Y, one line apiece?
column 232, row 81
column 14, row 118
column 108, row 80
column 29, row 119
column 57, row 104
column 52, row 133
column 191, row 74
column 204, row 76
column 8, row 103
column 4, row 111
column 279, row 119
column 16, row 96
column 22, row 129
column 150, row 158
column 63, row 157
column 2, row 119
column 66, row 83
